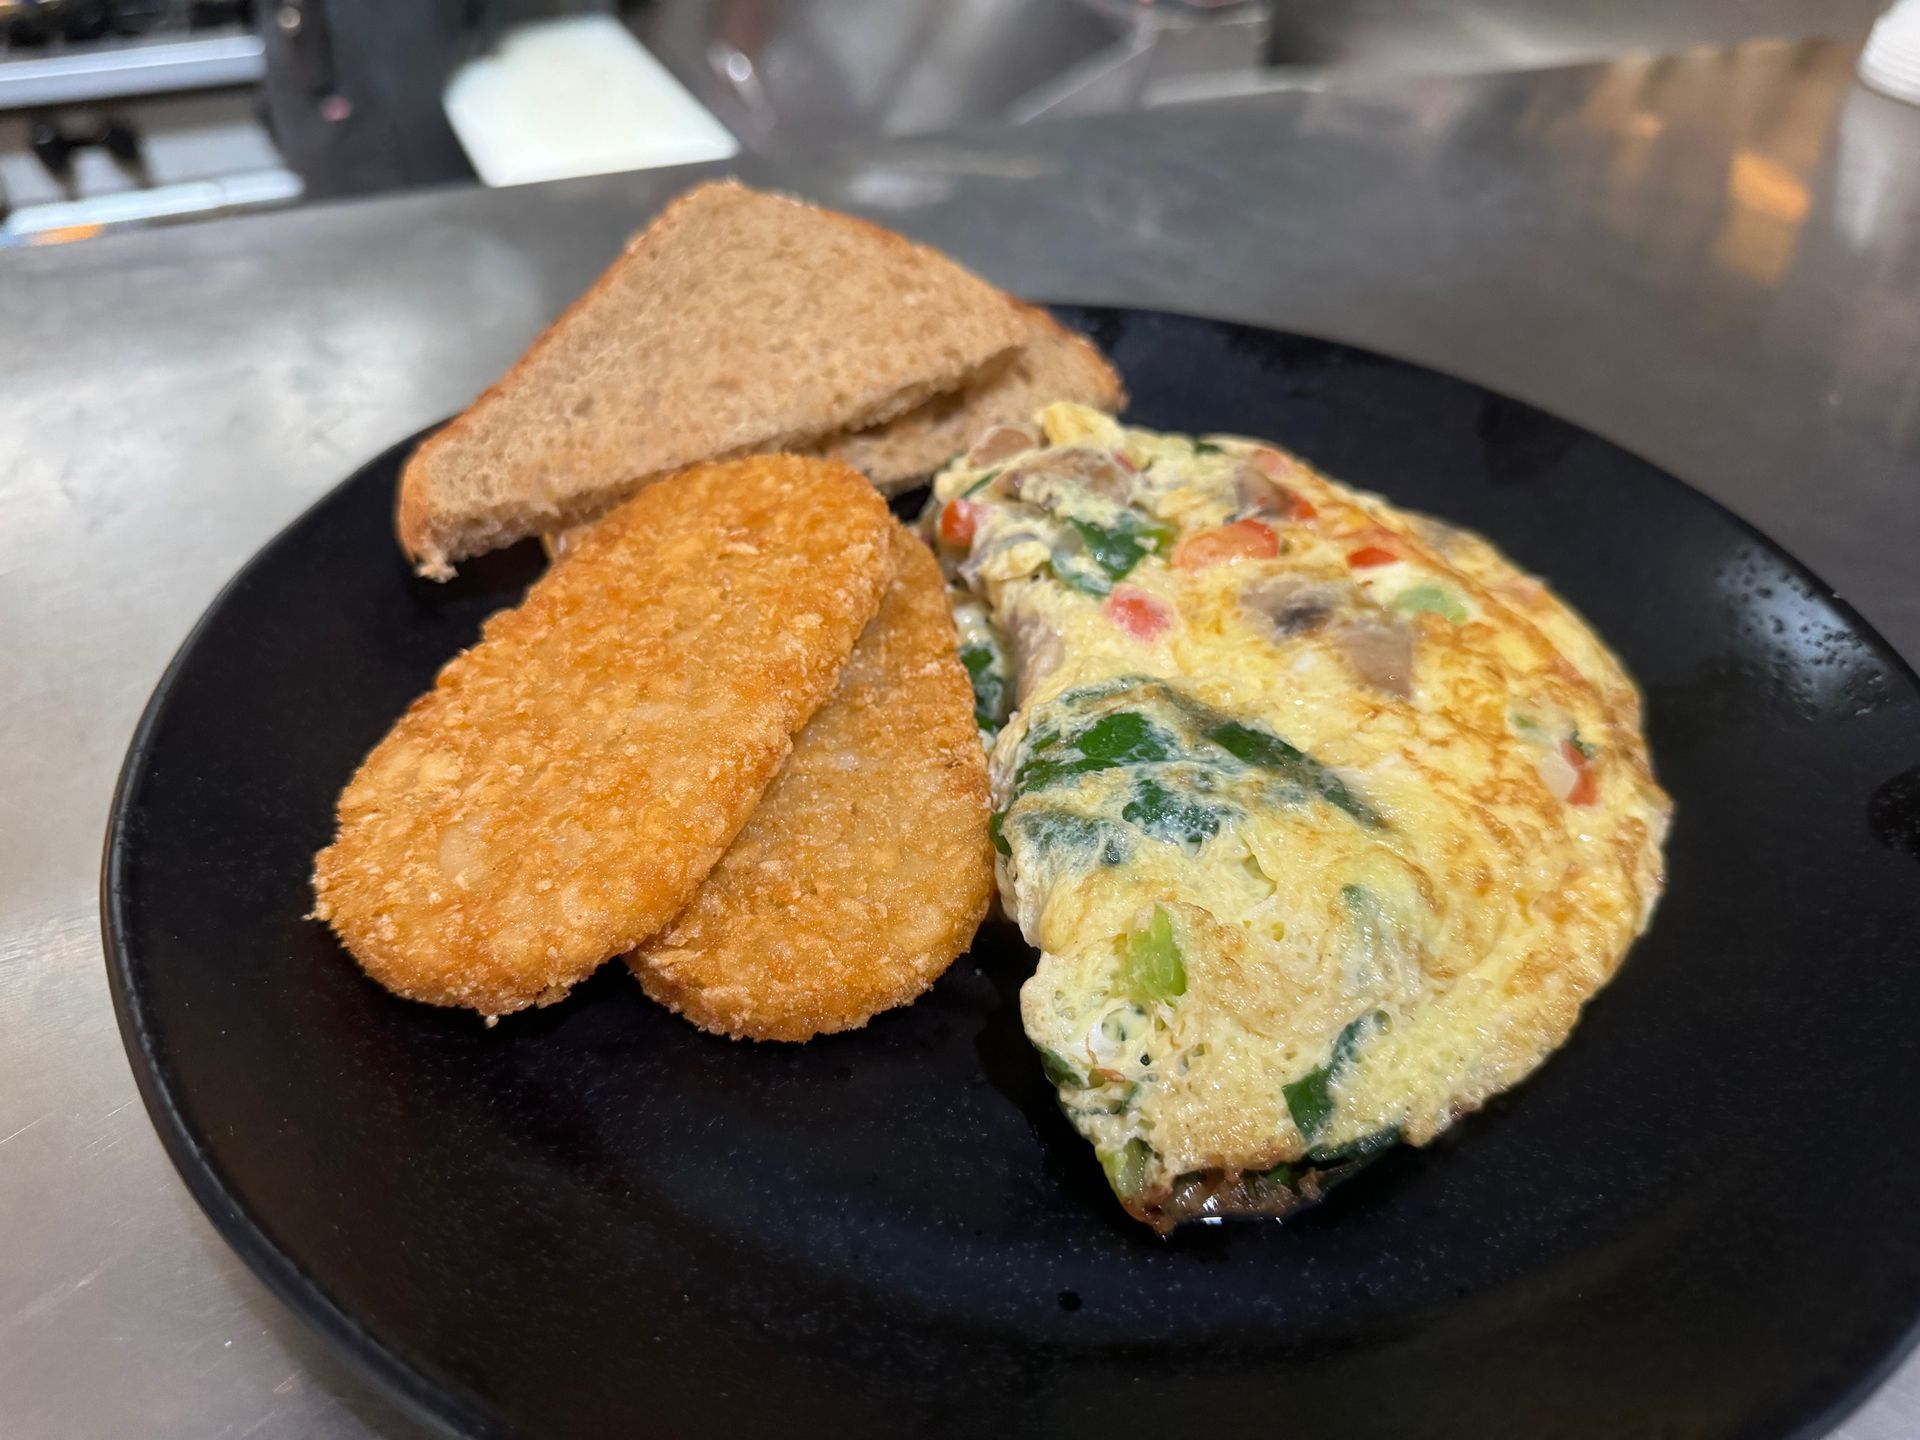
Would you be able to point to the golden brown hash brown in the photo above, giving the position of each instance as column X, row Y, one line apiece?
column 867, row 867
column 568, row 782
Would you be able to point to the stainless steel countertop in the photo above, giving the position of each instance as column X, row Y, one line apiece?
column 1714, row 260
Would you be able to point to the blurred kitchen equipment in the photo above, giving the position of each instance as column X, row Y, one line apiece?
column 1891, row 61
column 63, row 52
column 781, row 72
column 116, row 112
column 240, row 103
column 786, row 70
column 354, row 88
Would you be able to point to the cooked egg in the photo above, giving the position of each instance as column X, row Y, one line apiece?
column 1324, row 818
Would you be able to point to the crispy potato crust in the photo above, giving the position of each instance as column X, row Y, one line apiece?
column 867, row 867
column 568, row 783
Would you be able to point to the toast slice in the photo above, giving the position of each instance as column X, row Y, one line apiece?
column 1053, row 364
column 738, row 322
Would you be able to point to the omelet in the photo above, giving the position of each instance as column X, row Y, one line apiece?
column 1324, row 818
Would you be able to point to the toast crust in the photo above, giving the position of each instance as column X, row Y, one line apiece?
column 1052, row 364
column 459, row 498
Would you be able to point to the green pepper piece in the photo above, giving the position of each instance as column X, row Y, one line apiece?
column 1060, row 1071
column 1431, row 600
column 1153, row 957
column 1127, row 1167
column 1114, row 1104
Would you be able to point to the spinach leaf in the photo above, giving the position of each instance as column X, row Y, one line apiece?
column 1062, row 830
column 1270, row 752
column 1120, row 547
column 1256, row 747
column 1169, row 816
column 985, row 480
column 989, row 685
column 1310, row 1098
column 1081, row 695
column 1207, row 447
column 1126, row 737
column 1365, row 1148
column 1286, row 1173
column 996, row 832
column 1074, row 566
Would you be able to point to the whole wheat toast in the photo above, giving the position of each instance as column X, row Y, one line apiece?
column 738, row 322
column 1053, row 364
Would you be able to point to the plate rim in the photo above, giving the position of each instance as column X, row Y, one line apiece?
column 422, row 1398
column 442, row 1406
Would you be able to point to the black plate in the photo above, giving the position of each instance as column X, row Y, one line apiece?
column 1698, row 1220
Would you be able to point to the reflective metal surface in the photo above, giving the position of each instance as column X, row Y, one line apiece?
column 1713, row 260
column 136, row 67
column 1449, row 36
column 783, row 73
column 780, row 72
